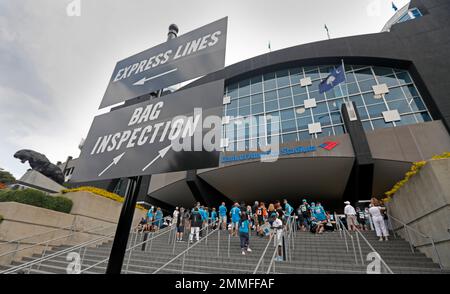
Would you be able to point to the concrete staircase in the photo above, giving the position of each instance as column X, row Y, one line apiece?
column 312, row 254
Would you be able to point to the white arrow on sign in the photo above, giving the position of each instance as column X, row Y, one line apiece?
column 115, row 161
column 161, row 154
column 144, row 79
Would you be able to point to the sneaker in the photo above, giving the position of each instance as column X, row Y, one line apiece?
column 249, row 250
column 386, row 239
column 380, row 240
column 243, row 252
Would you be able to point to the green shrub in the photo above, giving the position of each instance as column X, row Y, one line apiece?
column 38, row 199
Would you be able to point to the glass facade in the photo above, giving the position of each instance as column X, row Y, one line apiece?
column 281, row 94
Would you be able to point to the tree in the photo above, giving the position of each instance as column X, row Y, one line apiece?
column 6, row 178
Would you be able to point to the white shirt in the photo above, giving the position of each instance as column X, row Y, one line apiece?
column 375, row 211
column 278, row 224
column 175, row 214
column 349, row 210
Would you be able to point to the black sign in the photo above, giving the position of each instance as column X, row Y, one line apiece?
column 189, row 56
column 140, row 139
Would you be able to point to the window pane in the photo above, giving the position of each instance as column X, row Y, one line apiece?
column 369, row 98
column 257, row 99
column 394, row 94
column 290, row 137
column 382, row 71
column 410, row 91
column 297, row 89
column 404, row 77
column 245, row 101
column 326, row 132
column 283, row 78
column 366, row 86
column 423, row 117
column 304, row 122
column 286, row 102
column 364, row 74
column 285, row 92
column 300, row 100
column 380, row 123
column 244, row 111
column 376, row 110
column 271, row 105
column 257, row 108
column 339, row 130
column 367, row 126
column 401, row 105
column 287, row 114
column 352, row 88
column 256, row 84
column 335, row 105
column 233, row 104
column 269, row 81
column 363, row 113
column 336, row 118
column 406, row 120
column 357, row 99
column 321, row 108
column 312, row 72
column 233, row 91
column 232, row 112
column 271, row 95
column 304, row 136
column 417, row 104
column 390, row 81
column 289, row 126
column 324, row 119
column 244, row 88
column 316, row 95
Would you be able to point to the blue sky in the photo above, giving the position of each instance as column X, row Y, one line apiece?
column 54, row 68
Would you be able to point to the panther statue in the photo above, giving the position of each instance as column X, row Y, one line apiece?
column 39, row 162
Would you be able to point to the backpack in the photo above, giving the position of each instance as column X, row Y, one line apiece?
column 272, row 216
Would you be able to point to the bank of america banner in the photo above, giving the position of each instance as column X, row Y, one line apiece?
column 189, row 56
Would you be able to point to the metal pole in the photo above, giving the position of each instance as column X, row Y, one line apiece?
column 218, row 243
column 229, row 237
column 359, row 247
column 437, row 254
column 123, row 227
column 354, row 249
column 409, row 238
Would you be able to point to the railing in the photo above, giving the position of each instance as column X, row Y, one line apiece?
column 409, row 229
column 48, row 243
column 80, row 247
column 186, row 251
column 261, row 259
column 287, row 246
column 133, row 245
column 378, row 256
column 30, row 264
column 344, row 232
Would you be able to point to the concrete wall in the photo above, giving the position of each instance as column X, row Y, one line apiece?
column 424, row 204
column 91, row 217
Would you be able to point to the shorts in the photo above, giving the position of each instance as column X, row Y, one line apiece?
column 180, row 229
column 260, row 220
column 351, row 220
column 223, row 219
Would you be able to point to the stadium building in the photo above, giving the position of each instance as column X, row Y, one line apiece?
column 398, row 82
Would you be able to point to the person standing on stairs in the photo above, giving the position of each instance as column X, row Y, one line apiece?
column 376, row 212
column 179, row 222
column 223, row 216
column 196, row 223
column 244, row 232
column 350, row 214
column 235, row 214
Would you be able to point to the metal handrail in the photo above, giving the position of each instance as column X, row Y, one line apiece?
column 263, row 254
column 346, row 232
column 184, row 252
column 130, row 249
column 287, row 249
column 373, row 250
column 406, row 227
column 52, row 240
column 35, row 235
column 56, row 254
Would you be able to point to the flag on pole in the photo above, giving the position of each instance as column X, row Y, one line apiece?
column 394, row 7
column 335, row 77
